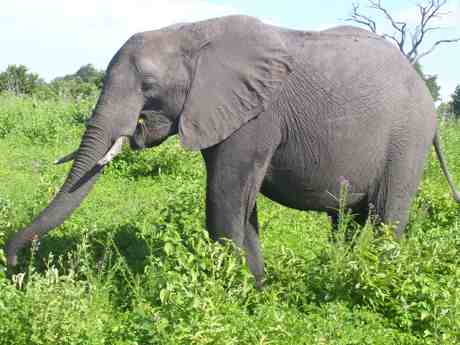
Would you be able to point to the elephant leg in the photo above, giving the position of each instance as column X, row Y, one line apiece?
column 251, row 245
column 235, row 171
column 396, row 190
column 394, row 210
column 231, row 214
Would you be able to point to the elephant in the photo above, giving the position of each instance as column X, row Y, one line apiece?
column 152, row 129
column 288, row 113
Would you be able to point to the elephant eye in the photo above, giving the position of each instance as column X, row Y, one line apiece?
column 151, row 90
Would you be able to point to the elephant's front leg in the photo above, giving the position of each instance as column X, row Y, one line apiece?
column 235, row 171
column 251, row 245
column 245, row 234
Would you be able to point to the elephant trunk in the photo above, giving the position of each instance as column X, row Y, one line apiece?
column 82, row 176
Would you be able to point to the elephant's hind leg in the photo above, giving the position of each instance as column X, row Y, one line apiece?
column 397, row 188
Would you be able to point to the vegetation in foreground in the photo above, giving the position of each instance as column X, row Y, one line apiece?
column 134, row 264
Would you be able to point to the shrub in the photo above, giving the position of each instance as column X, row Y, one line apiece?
column 134, row 264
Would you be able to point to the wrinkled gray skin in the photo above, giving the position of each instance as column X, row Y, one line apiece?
column 288, row 113
column 152, row 129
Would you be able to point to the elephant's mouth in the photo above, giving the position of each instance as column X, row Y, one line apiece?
column 152, row 129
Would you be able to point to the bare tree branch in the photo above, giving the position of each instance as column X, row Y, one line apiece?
column 429, row 51
column 378, row 6
column 400, row 27
column 391, row 37
column 362, row 19
column 428, row 11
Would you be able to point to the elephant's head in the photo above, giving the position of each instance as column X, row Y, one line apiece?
column 202, row 80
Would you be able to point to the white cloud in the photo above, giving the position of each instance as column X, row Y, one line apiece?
column 55, row 37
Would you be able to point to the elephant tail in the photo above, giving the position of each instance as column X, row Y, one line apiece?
column 442, row 162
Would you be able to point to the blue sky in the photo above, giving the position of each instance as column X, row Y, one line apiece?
column 56, row 37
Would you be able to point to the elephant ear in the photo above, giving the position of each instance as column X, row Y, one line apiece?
column 238, row 73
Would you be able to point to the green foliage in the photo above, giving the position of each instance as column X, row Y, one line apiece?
column 86, row 83
column 23, row 118
column 431, row 82
column 134, row 264
column 456, row 102
column 89, row 74
column 19, row 81
column 72, row 89
column 445, row 111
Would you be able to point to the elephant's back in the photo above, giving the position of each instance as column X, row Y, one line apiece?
column 356, row 75
column 350, row 99
column 359, row 66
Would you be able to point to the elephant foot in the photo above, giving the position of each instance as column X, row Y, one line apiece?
column 259, row 283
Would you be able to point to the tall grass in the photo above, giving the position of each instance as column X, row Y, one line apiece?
column 134, row 264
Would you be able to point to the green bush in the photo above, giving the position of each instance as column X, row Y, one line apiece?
column 86, row 83
column 134, row 264
column 17, row 80
column 42, row 122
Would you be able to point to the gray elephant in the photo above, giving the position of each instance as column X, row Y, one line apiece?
column 288, row 113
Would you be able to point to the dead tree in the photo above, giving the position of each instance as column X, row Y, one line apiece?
column 409, row 40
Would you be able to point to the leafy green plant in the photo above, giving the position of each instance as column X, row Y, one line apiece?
column 134, row 264
column 18, row 80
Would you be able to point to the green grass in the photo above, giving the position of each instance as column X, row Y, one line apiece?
column 134, row 264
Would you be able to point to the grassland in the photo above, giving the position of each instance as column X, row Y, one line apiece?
column 134, row 264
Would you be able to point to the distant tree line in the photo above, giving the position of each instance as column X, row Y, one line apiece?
column 84, row 83
column 451, row 108
column 87, row 82
column 431, row 82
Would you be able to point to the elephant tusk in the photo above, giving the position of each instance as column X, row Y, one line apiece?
column 114, row 151
column 69, row 157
